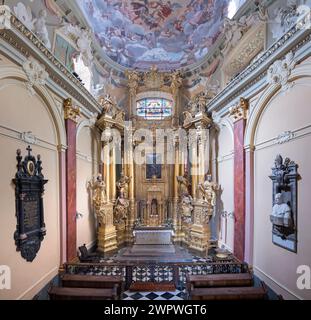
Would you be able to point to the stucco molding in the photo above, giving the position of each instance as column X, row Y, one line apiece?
column 27, row 43
column 18, row 135
column 301, row 71
column 14, row 72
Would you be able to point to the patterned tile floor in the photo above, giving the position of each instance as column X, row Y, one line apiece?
column 161, row 295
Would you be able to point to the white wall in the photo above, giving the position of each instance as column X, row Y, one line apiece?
column 87, row 167
column 21, row 112
column 289, row 111
column 226, row 182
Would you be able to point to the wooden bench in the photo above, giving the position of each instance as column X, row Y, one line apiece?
column 230, row 293
column 89, row 281
column 61, row 293
column 219, row 280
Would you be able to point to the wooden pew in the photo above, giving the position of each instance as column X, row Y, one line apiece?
column 219, row 280
column 230, row 293
column 61, row 293
column 90, row 281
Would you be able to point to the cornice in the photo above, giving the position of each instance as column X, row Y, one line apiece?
column 293, row 40
column 27, row 44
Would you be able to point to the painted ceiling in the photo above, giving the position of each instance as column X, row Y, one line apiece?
column 169, row 34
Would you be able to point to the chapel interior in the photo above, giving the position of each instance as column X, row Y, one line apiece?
column 155, row 150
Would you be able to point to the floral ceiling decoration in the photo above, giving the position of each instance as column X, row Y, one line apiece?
column 168, row 34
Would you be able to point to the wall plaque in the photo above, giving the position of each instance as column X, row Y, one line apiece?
column 284, row 211
column 29, row 189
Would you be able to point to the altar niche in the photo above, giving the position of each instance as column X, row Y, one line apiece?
column 29, row 189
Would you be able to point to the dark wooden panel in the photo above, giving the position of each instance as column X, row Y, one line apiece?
column 60, row 293
column 229, row 293
column 89, row 281
column 220, row 280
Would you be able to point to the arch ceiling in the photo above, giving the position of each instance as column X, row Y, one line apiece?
column 169, row 34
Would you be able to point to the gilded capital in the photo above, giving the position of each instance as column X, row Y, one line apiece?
column 70, row 112
column 239, row 111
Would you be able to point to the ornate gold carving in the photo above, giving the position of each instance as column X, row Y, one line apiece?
column 99, row 198
column 176, row 82
column 133, row 81
column 111, row 115
column 207, row 193
column 196, row 113
column 153, row 79
column 122, row 203
column 240, row 110
column 71, row 112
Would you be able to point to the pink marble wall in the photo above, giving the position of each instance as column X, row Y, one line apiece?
column 239, row 189
column 71, row 172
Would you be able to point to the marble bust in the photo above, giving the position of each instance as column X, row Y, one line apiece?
column 281, row 212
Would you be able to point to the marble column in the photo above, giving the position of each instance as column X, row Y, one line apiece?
column 71, row 115
column 63, row 203
column 239, row 114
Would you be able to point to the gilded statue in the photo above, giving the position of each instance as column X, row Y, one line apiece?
column 121, row 210
column 108, row 105
column 123, row 186
column 183, row 185
column 207, row 191
column 186, row 208
column 122, row 202
column 99, row 197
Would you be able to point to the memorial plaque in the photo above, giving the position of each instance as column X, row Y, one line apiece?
column 284, row 203
column 29, row 189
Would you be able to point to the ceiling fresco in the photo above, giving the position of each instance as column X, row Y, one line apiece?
column 168, row 34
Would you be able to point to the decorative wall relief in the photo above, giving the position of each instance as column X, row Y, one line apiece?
column 280, row 71
column 36, row 74
column 284, row 212
column 5, row 17
column 29, row 189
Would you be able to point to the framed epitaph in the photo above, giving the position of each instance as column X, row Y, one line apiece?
column 29, row 189
column 284, row 198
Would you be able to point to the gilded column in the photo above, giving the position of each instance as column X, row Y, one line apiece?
column 113, row 175
column 193, row 162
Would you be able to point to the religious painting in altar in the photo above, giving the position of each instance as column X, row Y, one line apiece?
column 64, row 51
column 154, row 108
column 167, row 33
column 153, row 166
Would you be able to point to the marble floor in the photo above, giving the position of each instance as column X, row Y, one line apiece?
column 160, row 295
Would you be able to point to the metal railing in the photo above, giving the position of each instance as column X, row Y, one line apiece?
column 156, row 272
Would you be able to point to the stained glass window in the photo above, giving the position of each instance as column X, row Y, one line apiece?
column 154, row 108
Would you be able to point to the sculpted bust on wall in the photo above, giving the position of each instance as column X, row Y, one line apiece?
column 281, row 212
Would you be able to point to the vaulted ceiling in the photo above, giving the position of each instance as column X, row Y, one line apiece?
column 169, row 34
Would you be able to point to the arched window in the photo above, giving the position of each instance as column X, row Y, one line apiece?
column 154, row 108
